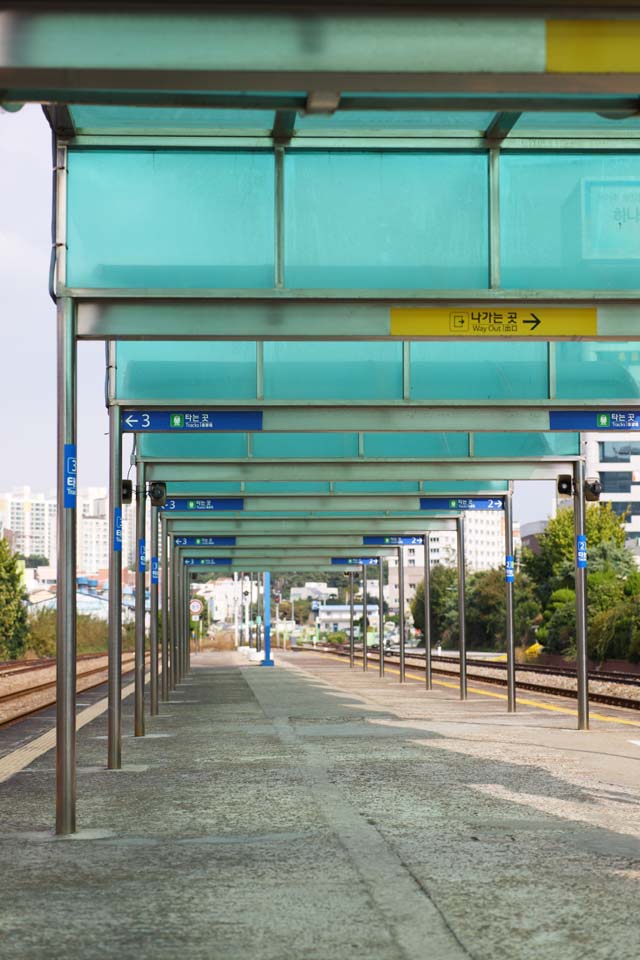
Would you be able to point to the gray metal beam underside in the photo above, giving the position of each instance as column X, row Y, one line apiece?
column 306, row 526
column 415, row 416
column 345, row 471
column 297, row 543
column 319, row 314
column 283, row 553
column 310, row 50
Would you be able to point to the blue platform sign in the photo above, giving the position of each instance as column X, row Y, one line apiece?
column 202, row 504
column 510, row 569
column 395, row 541
column 70, row 475
column 581, row 551
column 205, row 541
column 594, row 420
column 155, row 570
column 117, row 530
column 142, row 551
column 354, row 561
column 194, row 421
column 461, row 503
column 207, row 561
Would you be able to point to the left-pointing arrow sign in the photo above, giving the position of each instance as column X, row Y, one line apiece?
column 130, row 421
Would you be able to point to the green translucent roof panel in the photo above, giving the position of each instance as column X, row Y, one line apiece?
column 377, row 121
column 576, row 122
column 222, row 369
column 570, row 221
column 384, row 220
column 478, row 371
column 169, row 120
column 332, row 371
column 170, row 218
column 598, row 370
column 527, row 444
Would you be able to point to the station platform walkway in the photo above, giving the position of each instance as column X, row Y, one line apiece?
column 313, row 812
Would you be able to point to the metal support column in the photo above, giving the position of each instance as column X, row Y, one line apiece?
column 461, row 611
column 267, row 660
column 351, row 619
column 235, row 609
column 509, row 577
column 66, row 591
column 164, row 676
column 401, row 612
column 173, row 611
column 582, row 665
column 114, row 696
column 153, row 614
column 364, row 617
column 428, row 666
column 381, row 617
column 141, row 567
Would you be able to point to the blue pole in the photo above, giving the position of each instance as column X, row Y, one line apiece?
column 266, row 600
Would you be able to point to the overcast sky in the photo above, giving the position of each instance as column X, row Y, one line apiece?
column 27, row 334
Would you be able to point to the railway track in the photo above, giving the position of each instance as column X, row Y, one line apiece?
column 40, row 690
column 626, row 703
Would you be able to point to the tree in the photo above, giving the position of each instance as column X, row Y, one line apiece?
column 444, row 606
column 553, row 568
column 34, row 560
column 13, row 612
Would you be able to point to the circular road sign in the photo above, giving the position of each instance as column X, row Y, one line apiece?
column 196, row 606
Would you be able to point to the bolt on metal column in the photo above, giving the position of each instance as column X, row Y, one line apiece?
column 153, row 615
column 165, row 613
column 66, row 574
column 428, row 666
column 461, row 610
column 114, row 697
column 364, row 617
column 582, row 666
column 351, row 618
column 509, row 578
column 401, row 612
column 141, row 495
column 381, row 617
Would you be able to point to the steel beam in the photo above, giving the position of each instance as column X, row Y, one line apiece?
column 274, row 314
column 66, row 606
column 311, row 526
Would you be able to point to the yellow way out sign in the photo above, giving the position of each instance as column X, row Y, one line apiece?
column 494, row 322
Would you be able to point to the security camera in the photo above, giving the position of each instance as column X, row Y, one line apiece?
column 127, row 491
column 158, row 494
column 592, row 490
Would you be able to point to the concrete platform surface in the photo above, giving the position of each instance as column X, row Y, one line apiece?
column 317, row 813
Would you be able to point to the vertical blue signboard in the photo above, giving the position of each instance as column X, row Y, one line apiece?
column 70, row 475
column 117, row 530
column 155, row 568
column 581, row 551
column 510, row 569
column 142, row 566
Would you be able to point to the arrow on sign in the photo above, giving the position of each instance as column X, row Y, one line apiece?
column 534, row 323
column 130, row 421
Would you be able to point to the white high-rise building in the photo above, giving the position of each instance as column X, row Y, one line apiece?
column 32, row 519
column 483, row 547
column 615, row 459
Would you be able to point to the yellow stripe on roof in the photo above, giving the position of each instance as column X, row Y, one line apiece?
column 593, row 46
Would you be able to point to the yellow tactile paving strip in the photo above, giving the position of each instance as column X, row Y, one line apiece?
column 21, row 758
column 524, row 701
